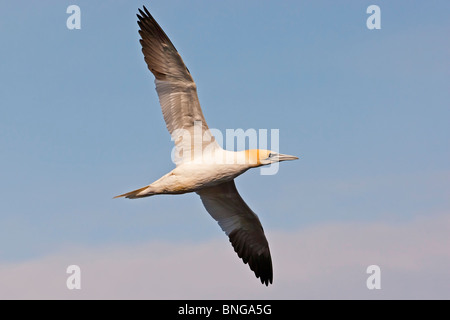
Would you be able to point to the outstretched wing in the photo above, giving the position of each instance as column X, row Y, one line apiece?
column 176, row 89
column 242, row 226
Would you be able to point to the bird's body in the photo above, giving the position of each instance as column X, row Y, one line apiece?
column 197, row 174
column 202, row 165
column 192, row 177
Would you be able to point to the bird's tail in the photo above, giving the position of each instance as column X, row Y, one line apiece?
column 136, row 194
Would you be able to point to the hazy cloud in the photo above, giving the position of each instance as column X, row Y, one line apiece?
column 325, row 261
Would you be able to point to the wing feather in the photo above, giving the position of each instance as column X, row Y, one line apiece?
column 176, row 89
column 242, row 226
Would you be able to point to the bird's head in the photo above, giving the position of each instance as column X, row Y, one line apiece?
column 261, row 157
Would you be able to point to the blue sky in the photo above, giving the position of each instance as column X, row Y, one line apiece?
column 367, row 111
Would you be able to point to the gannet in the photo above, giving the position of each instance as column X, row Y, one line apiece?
column 205, row 168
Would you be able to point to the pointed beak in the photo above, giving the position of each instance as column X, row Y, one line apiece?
column 286, row 157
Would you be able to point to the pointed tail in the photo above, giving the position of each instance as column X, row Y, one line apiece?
column 135, row 194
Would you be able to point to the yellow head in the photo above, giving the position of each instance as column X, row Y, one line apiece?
column 261, row 157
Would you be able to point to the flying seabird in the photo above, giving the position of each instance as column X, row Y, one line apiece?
column 202, row 166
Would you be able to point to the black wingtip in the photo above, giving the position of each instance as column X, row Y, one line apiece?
column 260, row 264
column 143, row 14
column 146, row 11
column 263, row 269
